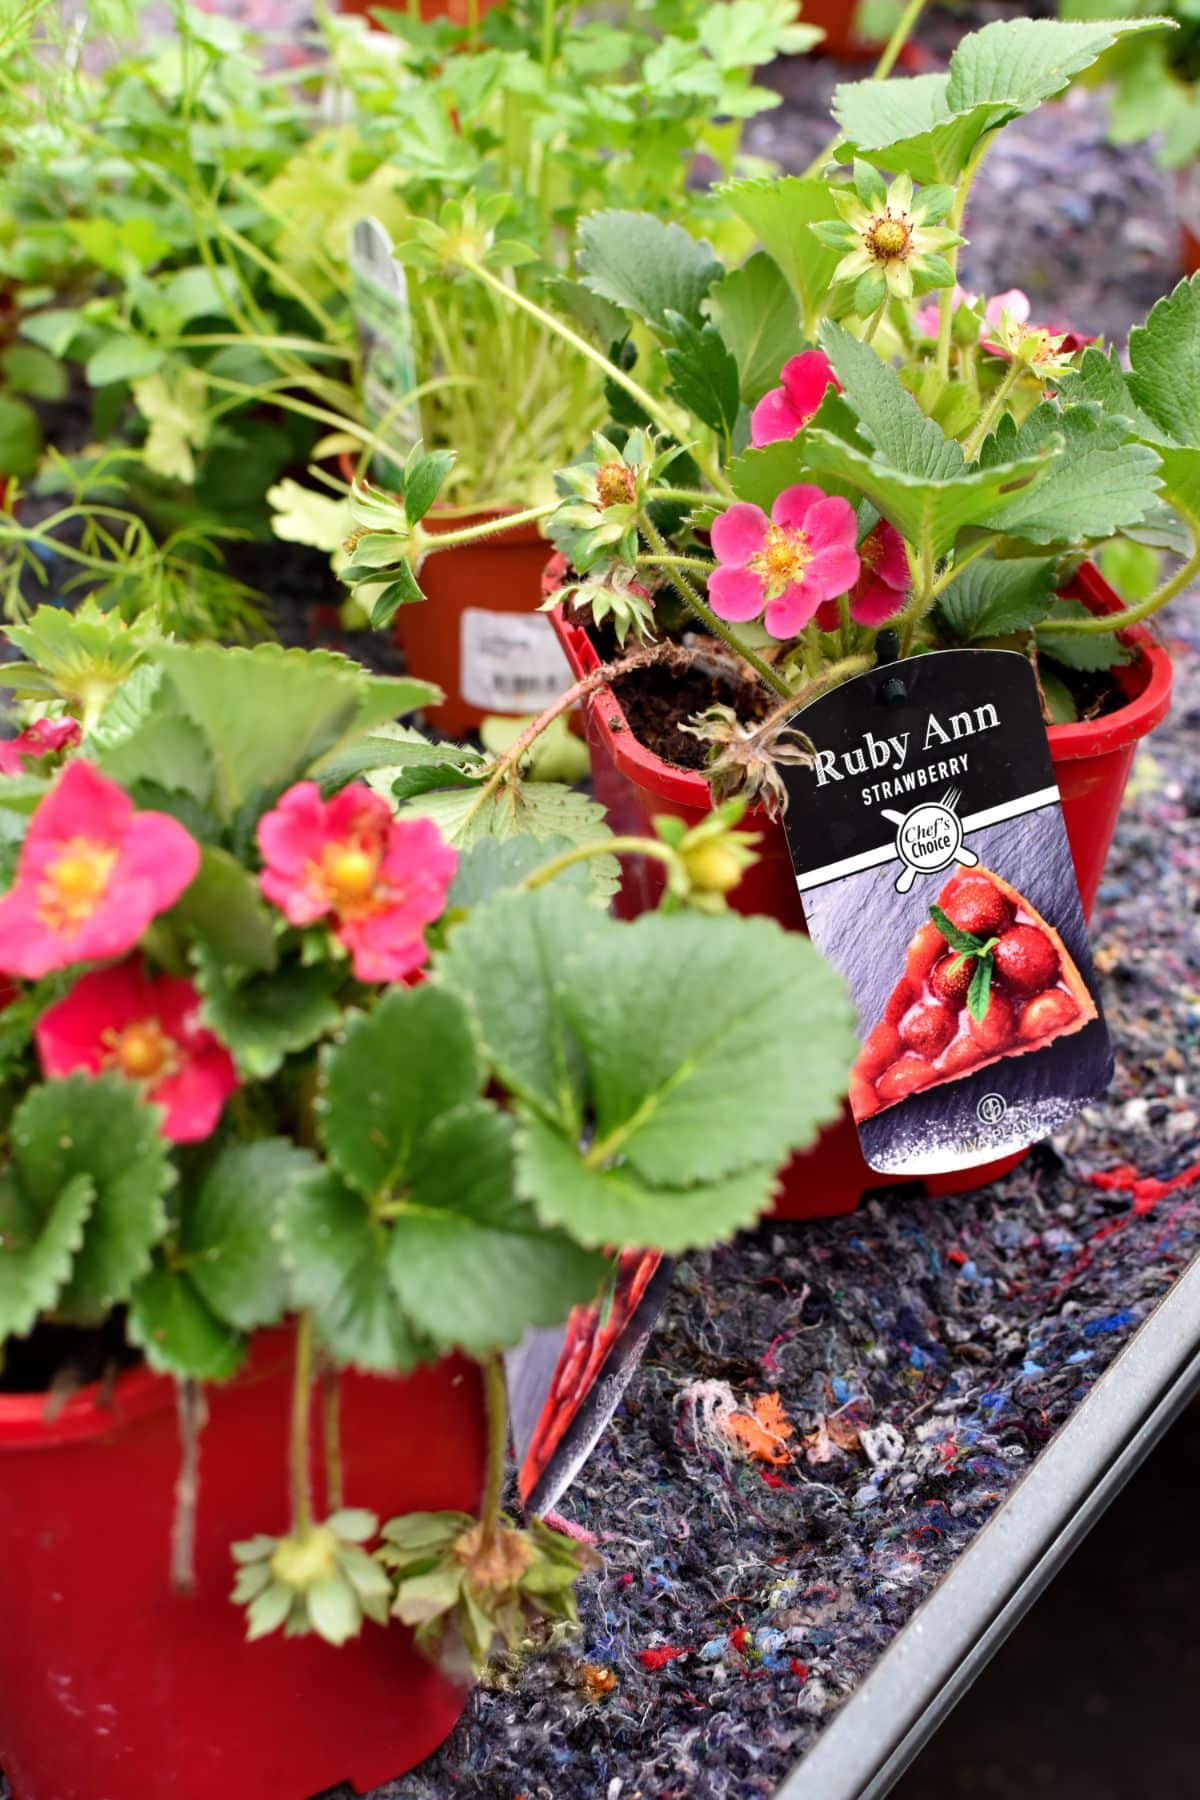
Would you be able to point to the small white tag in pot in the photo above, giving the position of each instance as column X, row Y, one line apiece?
column 510, row 662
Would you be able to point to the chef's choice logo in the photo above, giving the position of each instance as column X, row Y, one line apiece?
column 929, row 838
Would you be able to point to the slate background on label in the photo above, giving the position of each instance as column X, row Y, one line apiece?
column 872, row 926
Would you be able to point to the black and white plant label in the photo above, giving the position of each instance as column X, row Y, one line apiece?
column 932, row 860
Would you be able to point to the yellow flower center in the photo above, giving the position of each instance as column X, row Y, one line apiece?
column 347, row 875
column 142, row 1051
column 784, row 556
column 888, row 239
column 300, row 1562
column 75, row 883
column 616, row 484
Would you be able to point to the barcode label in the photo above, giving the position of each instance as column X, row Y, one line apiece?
column 510, row 662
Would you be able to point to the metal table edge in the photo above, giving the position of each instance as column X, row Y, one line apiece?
column 880, row 1729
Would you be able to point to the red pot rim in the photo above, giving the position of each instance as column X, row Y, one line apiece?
column 99, row 1409
column 448, row 518
column 1147, row 682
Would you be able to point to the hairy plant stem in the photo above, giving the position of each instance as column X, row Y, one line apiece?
column 511, row 758
column 954, row 221
column 1133, row 615
column 496, row 1397
column 614, row 846
column 992, row 411
column 956, row 568
column 705, row 614
column 844, row 670
column 331, row 1429
column 652, row 408
column 191, row 1411
column 471, row 534
column 883, row 68
column 299, row 1458
column 674, row 562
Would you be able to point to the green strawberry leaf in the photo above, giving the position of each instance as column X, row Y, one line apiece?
column 1100, row 482
column 779, row 212
column 756, row 313
column 227, row 1241
column 494, row 865
column 177, row 1331
column 1092, row 650
column 928, row 513
column 992, row 598
column 506, row 960
column 263, row 1018
column 932, row 125
column 143, row 735
column 906, row 438
column 538, row 809
column 224, row 908
column 646, row 266
column 469, row 1261
column 704, row 374
column 601, row 1206
column 397, row 1069
column 37, row 1254
column 337, row 1253
column 674, row 1016
column 315, row 701
column 102, row 1128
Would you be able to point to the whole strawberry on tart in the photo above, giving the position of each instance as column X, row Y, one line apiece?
column 985, row 977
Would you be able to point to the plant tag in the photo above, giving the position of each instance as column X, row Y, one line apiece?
column 510, row 662
column 379, row 294
column 565, row 1383
column 934, row 870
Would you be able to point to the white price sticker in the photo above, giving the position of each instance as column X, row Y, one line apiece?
column 510, row 662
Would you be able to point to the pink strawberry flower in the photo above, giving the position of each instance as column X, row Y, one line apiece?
column 43, row 738
column 785, row 566
column 786, row 410
column 91, row 876
column 379, row 880
column 882, row 585
column 147, row 1028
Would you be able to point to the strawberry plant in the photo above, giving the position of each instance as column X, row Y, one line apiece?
column 833, row 437
column 276, row 1045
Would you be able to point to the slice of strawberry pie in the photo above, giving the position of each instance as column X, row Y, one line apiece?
column 986, row 977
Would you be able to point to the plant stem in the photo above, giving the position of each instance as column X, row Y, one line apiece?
column 959, row 564
column 876, row 319
column 548, row 11
column 614, row 846
column 192, row 1414
column 705, row 614
column 881, row 71
column 300, row 1464
column 331, row 1421
column 511, row 758
column 970, row 448
column 496, row 1397
column 686, row 496
column 954, row 221
column 470, row 534
column 674, row 562
column 1133, row 615
column 649, row 405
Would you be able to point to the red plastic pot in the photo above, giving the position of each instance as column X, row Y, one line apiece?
column 836, row 19
column 479, row 633
column 112, row 1687
column 1091, row 763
